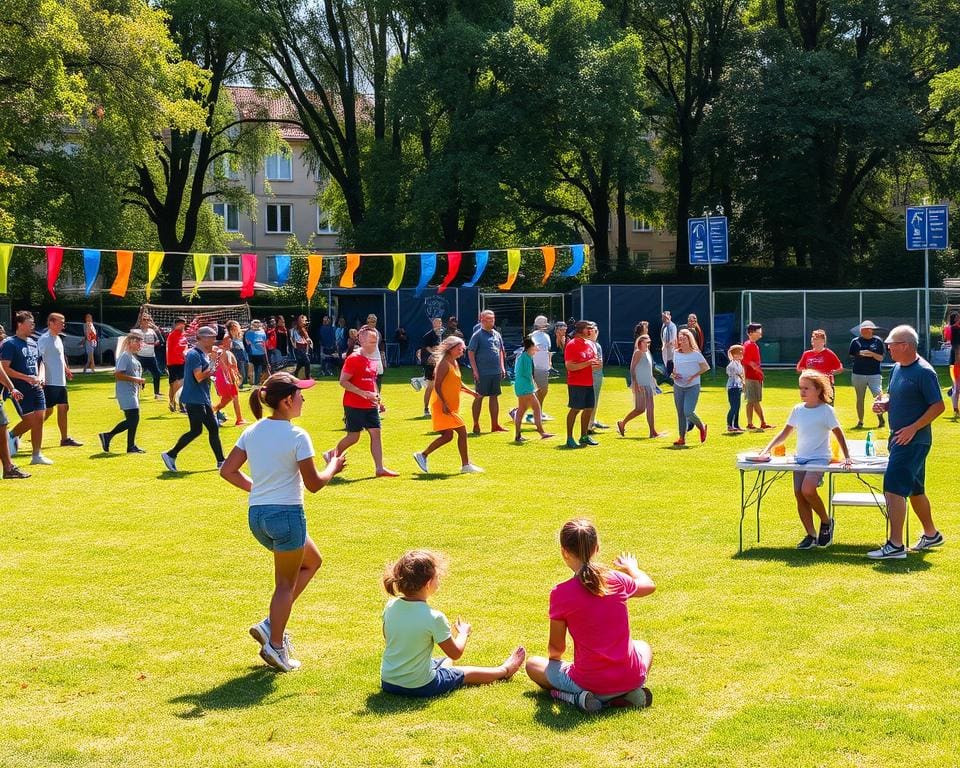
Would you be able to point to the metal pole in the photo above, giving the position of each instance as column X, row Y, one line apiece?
column 926, row 298
column 713, row 340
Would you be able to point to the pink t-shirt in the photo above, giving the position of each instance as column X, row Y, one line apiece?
column 605, row 660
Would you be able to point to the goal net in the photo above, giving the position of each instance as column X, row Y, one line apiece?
column 195, row 315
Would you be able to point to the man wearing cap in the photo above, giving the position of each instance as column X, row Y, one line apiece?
column 580, row 358
column 912, row 402
column 866, row 352
column 541, row 359
column 668, row 340
column 198, row 369
column 56, row 373
column 487, row 361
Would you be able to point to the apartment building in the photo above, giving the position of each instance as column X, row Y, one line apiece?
column 649, row 248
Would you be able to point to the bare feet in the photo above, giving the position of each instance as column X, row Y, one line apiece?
column 387, row 473
column 545, row 435
column 497, row 428
column 513, row 662
column 658, row 434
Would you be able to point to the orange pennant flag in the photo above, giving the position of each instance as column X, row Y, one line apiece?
column 315, row 267
column 353, row 262
column 120, row 282
column 549, row 259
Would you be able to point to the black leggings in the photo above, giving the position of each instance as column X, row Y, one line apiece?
column 131, row 420
column 200, row 416
column 302, row 359
column 150, row 363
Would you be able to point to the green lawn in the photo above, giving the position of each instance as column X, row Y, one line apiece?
column 126, row 594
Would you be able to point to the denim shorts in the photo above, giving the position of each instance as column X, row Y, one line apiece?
column 906, row 469
column 33, row 399
column 446, row 679
column 279, row 527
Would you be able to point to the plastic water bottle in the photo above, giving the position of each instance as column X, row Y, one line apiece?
column 870, row 450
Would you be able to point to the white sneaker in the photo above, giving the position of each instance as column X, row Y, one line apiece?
column 279, row 658
column 421, row 461
column 14, row 444
column 417, row 383
column 513, row 414
column 39, row 458
column 470, row 469
column 159, row 397
column 261, row 632
column 168, row 461
column 544, row 417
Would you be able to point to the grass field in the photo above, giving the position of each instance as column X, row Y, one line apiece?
column 126, row 593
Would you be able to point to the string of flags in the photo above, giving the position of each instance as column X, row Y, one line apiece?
column 248, row 267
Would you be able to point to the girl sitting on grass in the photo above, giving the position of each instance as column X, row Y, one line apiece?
column 411, row 627
column 608, row 668
column 526, row 390
column 814, row 420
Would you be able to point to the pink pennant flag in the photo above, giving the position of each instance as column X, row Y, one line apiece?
column 54, row 262
column 248, row 271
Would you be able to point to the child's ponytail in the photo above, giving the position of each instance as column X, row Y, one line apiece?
column 256, row 403
column 580, row 539
column 413, row 571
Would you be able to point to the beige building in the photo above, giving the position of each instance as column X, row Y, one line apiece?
column 650, row 249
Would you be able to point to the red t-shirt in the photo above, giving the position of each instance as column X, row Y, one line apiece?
column 271, row 339
column 824, row 361
column 751, row 354
column 362, row 373
column 176, row 346
column 579, row 351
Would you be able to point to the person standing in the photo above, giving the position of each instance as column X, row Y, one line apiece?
column 148, row 351
column 176, row 347
column 668, row 341
column 56, row 373
column 89, row 342
column 541, row 360
column 693, row 325
column 428, row 345
column 487, row 361
column 10, row 470
column 866, row 352
column 580, row 358
column 593, row 337
column 20, row 358
column 643, row 385
column 302, row 346
column 129, row 378
column 328, row 347
column 913, row 401
column 198, row 369
column 753, row 375
column 819, row 357
column 256, row 340
column 283, row 343
column 689, row 366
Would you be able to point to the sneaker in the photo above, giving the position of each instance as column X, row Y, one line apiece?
column 279, row 658
column 888, row 552
column 135, row 449
column 641, row 698
column 571, row 443
column 928, row 542
column 221, row 463
column 39, row 458
column 104, row 441
column 14, row 443
column 69, row 442
column 703, row 433
column 261, row 632
column 15, row 473
column 417, row 383
column 825, row 539
column 221, row 417
column 528, row 419
column 598, row 425
column 421, row 461
column 543, row 417
column 584, row 701
column 158, row 396
column 513, row 414
column 587, row 440
column 807, row 542
column 470, row 469
column 169, row 462
column 621, row 429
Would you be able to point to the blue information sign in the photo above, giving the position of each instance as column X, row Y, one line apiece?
column 926, row 227
column 707, row 240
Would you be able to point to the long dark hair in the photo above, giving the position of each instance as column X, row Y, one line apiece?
column 579, row 538
column 273, row 391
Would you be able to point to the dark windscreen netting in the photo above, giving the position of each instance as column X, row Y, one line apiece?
column 515, row 313
column 781, row 314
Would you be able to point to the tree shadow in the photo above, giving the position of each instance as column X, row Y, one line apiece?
column 382, row 704
column 248, row 690
column 848, row 554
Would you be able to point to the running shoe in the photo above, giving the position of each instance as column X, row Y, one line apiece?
column 421, row 461
column 470, row 469
column 888, row 552
column 104, row 441
column 39, row 458
column 169, row 461
column 928, row 542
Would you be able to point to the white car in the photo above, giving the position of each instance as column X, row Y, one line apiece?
column 107, row 339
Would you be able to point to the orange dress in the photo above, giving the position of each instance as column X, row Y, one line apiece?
column 451, row 393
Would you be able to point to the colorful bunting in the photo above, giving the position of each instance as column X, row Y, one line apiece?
column 201, row 261
column 453, row 267
column 482, row 258
column 578, row 259
column 315, row 266
column 6, row 250
column 428, row 265
column 353, row 263
column 154, row 262
column 91, row 268
column 54, row 262
column 513, row 266
column 549, row 259
column 282, row 263
column 248, row 273
column 399, row 265
column 124, row 265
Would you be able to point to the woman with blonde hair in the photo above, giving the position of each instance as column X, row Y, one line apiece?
column 688, row 365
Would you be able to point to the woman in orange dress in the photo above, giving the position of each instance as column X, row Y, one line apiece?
column 445, row 404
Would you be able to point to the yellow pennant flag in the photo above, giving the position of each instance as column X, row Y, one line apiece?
column 154, row 262
column 353, row 262
column 201, row 261
column 6, row 251
column 399, row 265
column 315, row 267
column 513, row 266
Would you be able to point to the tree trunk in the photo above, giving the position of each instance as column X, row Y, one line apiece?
column 623, row 253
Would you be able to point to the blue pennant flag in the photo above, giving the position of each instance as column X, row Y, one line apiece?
column 482, row 257
column 282, row 262
column 428, row 265
column 91, row 267
column 574, row 269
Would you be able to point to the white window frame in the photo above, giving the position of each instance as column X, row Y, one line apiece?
column 278, row 158
column 642, row 225
column 324, row 227
column 225, row 209
column 228, row 171
column 640, row 253
column 224, row 268
column 279, row 230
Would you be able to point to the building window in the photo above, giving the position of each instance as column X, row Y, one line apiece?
column 279, row 167
column 639, row 259
column 641, row 225
column 228, row 171
column 324, row 225
column 279, row 219
column 224, row 268
column 230, row 213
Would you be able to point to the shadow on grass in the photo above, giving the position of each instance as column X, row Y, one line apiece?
column 102, row 455
column 183, row 474
column 847, row 554
column 559, row 716
column 421, row 476
column 248, row 690
column 380, row 704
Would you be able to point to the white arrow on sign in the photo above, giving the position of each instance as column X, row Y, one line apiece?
column 698, row 230
column 916, row 218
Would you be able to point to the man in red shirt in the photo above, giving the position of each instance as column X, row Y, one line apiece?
column 820, row 358
column 580, row 358
column 176, row 347
column 361, row 402
column 753, row 375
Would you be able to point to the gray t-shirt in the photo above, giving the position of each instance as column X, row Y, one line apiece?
column 128, row 392
column 486, row 346
column 54, row 366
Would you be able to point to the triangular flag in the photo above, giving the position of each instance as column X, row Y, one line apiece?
column 578, row 259
column 282, row 263
column 482, row 257
column 54, row 262
column 124, row 265
column 399, row 265
column 201, row 261
column 248, row 273
column 346, row 279
column 154, row 262
column 428, row 265
column 453, row 266
column 549, row 259
column 315, row 267
column 513, row 266
column 6, row 251
column 91, row 268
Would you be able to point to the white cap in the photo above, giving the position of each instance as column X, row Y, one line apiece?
column 867, row 324
column 540, row 321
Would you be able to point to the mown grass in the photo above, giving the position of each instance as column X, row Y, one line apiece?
column 126, row 594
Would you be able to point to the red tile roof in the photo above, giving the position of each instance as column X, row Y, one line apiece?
column 254, row 102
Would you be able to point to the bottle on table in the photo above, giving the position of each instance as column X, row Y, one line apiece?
column 869, row 448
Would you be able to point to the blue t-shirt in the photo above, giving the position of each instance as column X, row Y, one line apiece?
column 256, row 341
column 865, row 366
column 195, row 392
column 523, row 375
column 486, row 346
column 913, row 389
column 328, row 337
column 23, row 355
column 128, row 392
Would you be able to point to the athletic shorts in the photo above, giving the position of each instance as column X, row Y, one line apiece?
column 33, row 399
column 906, row 469
column 54, row 395
column 753, row 391
column 799, row 477
column 174, row 372
column 861, row 383
column 558, row 675
column 580, row 398
column 446, row 679
column 488, row 384
column 279, row 527
column 541, row 378
column 428, row 370
column 359, row 419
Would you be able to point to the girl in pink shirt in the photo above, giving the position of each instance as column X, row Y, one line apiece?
column 609, row 668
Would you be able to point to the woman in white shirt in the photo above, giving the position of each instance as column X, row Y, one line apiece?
column 281, row 460
column 643, row 385
column 688, row 366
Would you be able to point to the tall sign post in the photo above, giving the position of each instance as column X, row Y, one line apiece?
column 927, row 229
column 707, row 240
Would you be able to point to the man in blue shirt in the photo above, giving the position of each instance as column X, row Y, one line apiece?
column 255, row 340
column 487, row 362
column 866, row 352
column 20, row 358
column 912, row 403
column 198, row 369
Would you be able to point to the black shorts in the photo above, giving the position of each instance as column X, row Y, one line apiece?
column 359, row 419
column 580, row 398
column 174, row 372
column 488, row 384
column 33, row 399
column 54, row 395
column 428, row 371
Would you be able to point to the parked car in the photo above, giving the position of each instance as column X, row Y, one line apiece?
column 107, row 339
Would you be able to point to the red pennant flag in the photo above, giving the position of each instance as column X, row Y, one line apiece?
column 248, row 271
column 453, row 266
column 54, row 262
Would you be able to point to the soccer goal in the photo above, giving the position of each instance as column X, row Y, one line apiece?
column 195, row 315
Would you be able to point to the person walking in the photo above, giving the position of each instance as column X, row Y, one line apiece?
column 176, row 348
column 56, row 374
column 129, row 381
column 668, row 341
column 20, row 358
column 148, row 351
column 541, row 361
column 488, row 363
column 689, row 366
column 643, row 385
